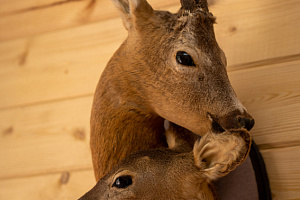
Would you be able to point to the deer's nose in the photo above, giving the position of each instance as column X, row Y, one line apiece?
column 233, row 120
column 244, row 122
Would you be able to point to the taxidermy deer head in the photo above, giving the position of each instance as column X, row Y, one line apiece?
column 169, row 67
column 182, row 172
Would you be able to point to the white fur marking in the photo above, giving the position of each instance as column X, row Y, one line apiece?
column 171, row 139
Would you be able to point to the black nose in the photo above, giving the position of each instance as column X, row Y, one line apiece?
column 245, row 122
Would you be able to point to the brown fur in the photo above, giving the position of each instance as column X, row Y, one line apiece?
column 183, row 172
column 143, row 84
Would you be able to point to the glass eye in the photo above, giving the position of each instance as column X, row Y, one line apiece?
column 123, row 182
column 184, row 58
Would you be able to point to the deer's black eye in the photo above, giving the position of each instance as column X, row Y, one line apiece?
column 122, row 182
column 184, row 58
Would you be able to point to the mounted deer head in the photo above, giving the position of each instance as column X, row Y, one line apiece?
column 169, row 67
column 177, row 173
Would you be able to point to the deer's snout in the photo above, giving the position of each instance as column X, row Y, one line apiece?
column 233, row 120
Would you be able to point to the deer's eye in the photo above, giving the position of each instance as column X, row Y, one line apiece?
column 123, row 182
column 184, row 58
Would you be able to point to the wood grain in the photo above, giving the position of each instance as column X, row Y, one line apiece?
column 32, row 17
column 68, row 185
column 283, row 170
column 69, row 61
column 257, row 30
column 45, row 138
column 7, row 6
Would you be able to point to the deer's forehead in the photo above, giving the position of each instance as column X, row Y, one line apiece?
column 178, row 22
column 156, row 160
column 194, row 28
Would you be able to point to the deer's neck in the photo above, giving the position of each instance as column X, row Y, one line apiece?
column 121, row 120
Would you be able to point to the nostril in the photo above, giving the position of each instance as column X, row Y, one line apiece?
column 250, row 124
column 245, row 123
column 241, row 122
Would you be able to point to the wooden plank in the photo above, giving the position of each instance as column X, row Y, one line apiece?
column 272, row 95
column 282, row 165
column 45, row 138
column 7, row 6
column 104, row 7
column 57, row 65
column 71, row 61
column 249, row 31
column 67, row 185
column 54, row 136
column 31, row 17
column 283, row 170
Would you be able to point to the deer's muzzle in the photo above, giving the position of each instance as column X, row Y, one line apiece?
column 233, row 120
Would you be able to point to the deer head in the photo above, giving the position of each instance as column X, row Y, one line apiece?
column 174, row 64
column 182, row 172
column 169, row 67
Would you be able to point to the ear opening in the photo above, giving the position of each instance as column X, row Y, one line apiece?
column 218, row 154
column 131, row 10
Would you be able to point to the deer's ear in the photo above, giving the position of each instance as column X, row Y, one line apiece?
column 132, row 10
column 218, row 154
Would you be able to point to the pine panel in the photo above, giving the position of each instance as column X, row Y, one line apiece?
column 45, row 138
column 68, row 185
column 31, row 17
column 283, row 166
column 58, row 65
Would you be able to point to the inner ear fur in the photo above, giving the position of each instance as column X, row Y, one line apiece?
column 218, row 154
column 133, row 10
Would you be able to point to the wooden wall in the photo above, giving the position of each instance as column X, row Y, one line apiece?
column 52, row 53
